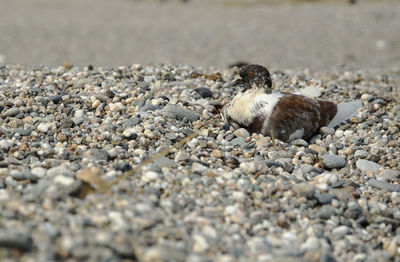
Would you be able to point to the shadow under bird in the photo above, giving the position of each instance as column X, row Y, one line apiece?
column 282, row 115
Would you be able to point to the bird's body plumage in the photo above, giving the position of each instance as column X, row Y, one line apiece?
column 287, row 116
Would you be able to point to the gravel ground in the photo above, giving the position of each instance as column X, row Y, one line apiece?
column 68, row 135
column 314, row 34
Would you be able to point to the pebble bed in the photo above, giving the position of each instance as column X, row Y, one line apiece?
column 225, row 195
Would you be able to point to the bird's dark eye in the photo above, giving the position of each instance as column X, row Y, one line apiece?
column 251, row 73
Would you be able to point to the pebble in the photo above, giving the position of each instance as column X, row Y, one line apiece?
column 327, row 130
column 182, row 156
column 11, row 112
column 333, row 161
column 134, row 121
column 180, row 113
column 204, row 92
column 150, row 176
column 16, row 240
column 361, row 154
column 384, row 185
column 239, row 141
column 388, row 175
column 64, row 180
column 366, row 165
column 241, row 132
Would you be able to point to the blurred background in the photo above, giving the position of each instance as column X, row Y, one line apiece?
column 285, row 34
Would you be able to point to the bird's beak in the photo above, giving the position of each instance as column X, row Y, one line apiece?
column 237, row 82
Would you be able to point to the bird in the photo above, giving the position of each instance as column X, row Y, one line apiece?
column 282, row 115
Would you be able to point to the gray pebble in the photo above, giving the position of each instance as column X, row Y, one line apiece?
column 180, row 113
column 60, row 170
column 361, row 154
column 325, row 198
column 133, row 121
column 182, row 156
column 165, row 162
column 325, row 212
column 12, row 239
column 327, row 130
column 366, row 165
column 333, row 161
column 299, row 142
column 306, row 168
column 150, row 107
column 388, row 175
column 96, row 154
column 11, row 112
column 239, row 141
column 22, row 131
column 305, row 190
column 384, row 185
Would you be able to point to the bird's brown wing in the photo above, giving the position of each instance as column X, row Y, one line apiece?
column 295, row 113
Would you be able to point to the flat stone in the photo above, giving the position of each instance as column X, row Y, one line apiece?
column 325, row 212
column 11, row 112
column 299, row 142
column 182, row 156
column 360, row 154
column 150, row 107
column 333, row 161
column 96, row 154
column 239, row 141
column 388, row 175
column 134, row 121
column 317, row 148
column 327, row 130
column 384, row 185
column 304, row 190
column 11, row 239
column 241, row 132
column 198, row 168
column 55, row 98
column 366, row 165
column 22, row 131
column 325, row 198
column 150, row 176
column 60, row 170
column 179, row 113
column 340, row 231
column 165, row 162
column 64, row 180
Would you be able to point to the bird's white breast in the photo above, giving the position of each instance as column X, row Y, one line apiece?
column 245, row 106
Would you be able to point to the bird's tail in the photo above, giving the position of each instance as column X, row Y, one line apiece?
column 345, row 111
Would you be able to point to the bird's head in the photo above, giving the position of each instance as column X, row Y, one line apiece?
column 254, row 76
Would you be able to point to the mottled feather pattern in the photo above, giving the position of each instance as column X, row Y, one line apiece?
column 288, row 116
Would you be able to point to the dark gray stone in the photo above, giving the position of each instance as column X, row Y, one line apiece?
column 11, row 239
column 55, row 98
column 325, row 198
column 204, row 92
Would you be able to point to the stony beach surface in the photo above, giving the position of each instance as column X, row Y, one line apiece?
column 68, row 136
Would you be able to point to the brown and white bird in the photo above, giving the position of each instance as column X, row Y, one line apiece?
column 283, row 115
